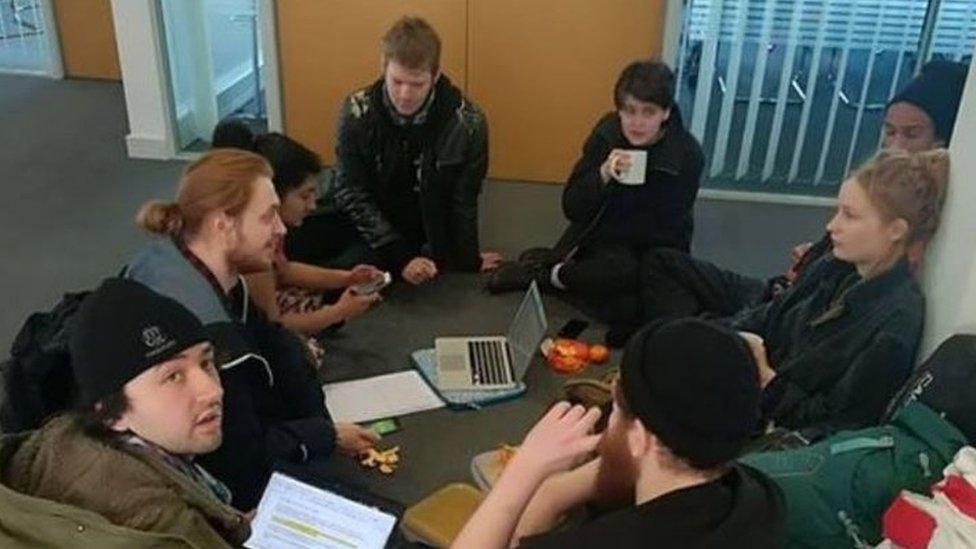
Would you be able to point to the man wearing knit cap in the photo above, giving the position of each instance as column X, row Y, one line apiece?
column 921, row 115
column 686, row 403
column 119, row 472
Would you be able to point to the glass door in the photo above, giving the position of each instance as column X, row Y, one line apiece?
column 26, row 37
column 787, row 95
column 215, row 63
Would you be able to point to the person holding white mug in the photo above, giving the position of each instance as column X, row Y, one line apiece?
column 632, row 190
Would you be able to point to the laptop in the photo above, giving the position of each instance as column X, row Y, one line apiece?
column 295, row 513
column 485, row 363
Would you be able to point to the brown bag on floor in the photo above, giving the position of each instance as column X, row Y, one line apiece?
column 438, row 518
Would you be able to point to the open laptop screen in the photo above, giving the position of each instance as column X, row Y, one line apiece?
column 295, row 514
column 527, row 330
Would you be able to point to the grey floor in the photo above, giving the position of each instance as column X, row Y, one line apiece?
column 70, row 193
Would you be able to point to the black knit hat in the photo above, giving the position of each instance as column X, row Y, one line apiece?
column 937, row 90
column 694, row 385
column 121, row 330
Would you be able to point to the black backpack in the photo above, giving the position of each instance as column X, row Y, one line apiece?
column 945, row 382
column 38, row 379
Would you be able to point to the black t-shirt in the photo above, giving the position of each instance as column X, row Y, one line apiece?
column 742, row 508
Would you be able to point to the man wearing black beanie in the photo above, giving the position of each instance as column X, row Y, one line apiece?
column 921, row 115
column 686, row 403
column 120, row 471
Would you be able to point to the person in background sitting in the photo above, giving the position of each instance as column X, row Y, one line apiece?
column 294, row 293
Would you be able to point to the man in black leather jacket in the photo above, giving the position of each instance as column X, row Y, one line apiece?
column 412, row 153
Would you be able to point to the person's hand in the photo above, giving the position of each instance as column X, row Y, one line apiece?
column 251, row 514
column 490, row 261
column 361, row 274
column 615, row 166
column 557, row 441
column 419, row 270
column 758, row 348
column 353, row 440
column 798, row 251
column 352, row 304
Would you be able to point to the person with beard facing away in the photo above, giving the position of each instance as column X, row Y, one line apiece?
column 121, row 471
column 686, row 403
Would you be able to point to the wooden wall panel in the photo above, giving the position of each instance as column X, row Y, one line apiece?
column 87, row 37
column 329, row 48
column 544, row 70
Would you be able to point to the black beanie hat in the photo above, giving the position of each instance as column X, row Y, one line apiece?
column 694, row 385
column 121, row 330
column 937, row 90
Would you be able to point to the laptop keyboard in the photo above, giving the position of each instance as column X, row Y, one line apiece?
column 488, row 363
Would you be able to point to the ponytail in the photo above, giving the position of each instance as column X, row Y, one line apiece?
column 220, row 180
column 159, row 217
column 909, row 186
column 933, row 182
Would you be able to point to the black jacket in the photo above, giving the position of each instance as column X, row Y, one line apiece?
column 655, row 214
column 274, row 408
column 454, row 163
column 742, row 508
column 838, row 361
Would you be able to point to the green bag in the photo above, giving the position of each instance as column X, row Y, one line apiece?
column 838, row 489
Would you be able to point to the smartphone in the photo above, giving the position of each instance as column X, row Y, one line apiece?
column 383, row 427
column 374, row 285
column 572, row 329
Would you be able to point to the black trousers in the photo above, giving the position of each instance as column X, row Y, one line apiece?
column 674, row 284
column 602, row 279
column 330, row 239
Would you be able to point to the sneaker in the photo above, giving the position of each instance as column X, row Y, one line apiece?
column 588, row 393
column 543, row 256
column 593, row 393
column 512, row 276
column 619, row 334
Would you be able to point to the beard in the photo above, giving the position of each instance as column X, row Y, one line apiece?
column 253, row 261
column 617, row 476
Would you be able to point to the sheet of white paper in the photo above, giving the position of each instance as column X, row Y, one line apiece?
column 638, row 168
column 379, row 397
column 295, row 514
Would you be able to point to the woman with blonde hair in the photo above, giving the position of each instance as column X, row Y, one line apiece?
column 837, row 345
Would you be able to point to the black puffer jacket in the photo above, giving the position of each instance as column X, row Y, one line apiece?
column 655, row 214
column 454, row 161
column 841, row 345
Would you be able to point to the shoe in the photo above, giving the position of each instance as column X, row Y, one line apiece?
column 619, row 334
column 512, row 276
column 588, row 393
column 543, row 256
column 593, row 393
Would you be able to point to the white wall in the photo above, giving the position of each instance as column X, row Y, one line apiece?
column 143, row 79
column 949, row 279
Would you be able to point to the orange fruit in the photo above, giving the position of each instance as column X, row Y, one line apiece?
column 599, row 354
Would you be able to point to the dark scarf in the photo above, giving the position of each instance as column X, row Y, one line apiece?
column 418, row 118
column 182, row 464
